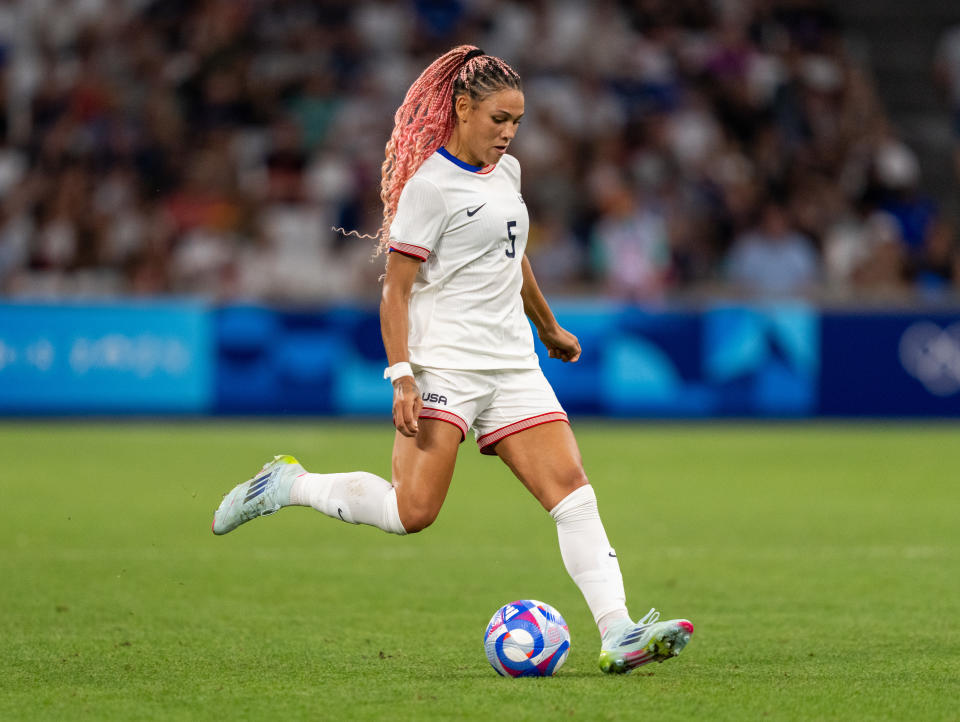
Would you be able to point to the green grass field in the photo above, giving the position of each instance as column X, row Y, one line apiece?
column 820, row 565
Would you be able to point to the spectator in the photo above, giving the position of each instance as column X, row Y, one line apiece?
column 773, row 259
column 947, row 76
column 863, row 254
column 557, row 254
column 937, row 271
column 630, row 244
column 898, row 176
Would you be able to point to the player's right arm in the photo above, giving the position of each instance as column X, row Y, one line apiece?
column 395, row 327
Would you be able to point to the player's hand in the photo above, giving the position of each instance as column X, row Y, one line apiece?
column 406, row 405
column 560, row 344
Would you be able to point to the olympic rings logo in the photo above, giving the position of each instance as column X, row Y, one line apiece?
column 932, row 356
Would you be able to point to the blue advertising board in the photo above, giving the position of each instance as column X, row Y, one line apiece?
column 105, row 358
column 722, row 361
column 732, row 361
column 886, row 364
column 300, row 362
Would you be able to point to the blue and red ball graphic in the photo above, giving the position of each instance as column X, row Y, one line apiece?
column 527, row 638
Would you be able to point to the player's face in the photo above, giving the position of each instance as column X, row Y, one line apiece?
column 491, row 125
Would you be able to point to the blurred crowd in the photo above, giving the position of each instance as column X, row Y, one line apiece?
column 670, row 149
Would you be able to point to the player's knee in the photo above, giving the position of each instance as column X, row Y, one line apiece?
column 573, row 479
column 417, row 511
column 561, row 484
column 417, row 518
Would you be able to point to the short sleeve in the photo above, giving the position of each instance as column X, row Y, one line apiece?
column 420, row 221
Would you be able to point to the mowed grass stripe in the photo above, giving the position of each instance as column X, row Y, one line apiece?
column 820, row 564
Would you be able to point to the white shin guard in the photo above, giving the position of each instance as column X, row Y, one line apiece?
column 357, row 497
column 587, row 554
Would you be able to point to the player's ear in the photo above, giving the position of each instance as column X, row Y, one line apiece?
column 462, row 107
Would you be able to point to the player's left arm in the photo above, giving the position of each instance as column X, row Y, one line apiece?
column 560, row 343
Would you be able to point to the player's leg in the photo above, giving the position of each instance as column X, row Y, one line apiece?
column 423, row 464
column 546, row 459
column 422, row 469
column 356, row 497
column 526, row 427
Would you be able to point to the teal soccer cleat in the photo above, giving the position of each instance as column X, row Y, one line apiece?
column 646, row 641
column 264, row 494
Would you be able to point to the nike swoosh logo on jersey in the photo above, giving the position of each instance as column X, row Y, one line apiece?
column 471, row 214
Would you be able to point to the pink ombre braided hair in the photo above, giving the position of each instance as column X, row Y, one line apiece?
column 425, row 119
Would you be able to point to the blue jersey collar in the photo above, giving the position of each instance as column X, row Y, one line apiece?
column 456, row 161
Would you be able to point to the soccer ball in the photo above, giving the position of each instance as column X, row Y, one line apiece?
column 527, row 638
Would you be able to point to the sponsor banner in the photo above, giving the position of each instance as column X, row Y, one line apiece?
column 103, row 358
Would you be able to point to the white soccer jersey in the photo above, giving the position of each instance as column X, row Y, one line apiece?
column 469, row 227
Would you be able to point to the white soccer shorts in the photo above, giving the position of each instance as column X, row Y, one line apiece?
column 495, row 404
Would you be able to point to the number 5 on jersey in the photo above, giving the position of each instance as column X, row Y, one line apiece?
column 512, row 251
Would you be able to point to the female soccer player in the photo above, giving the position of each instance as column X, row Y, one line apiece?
column 461, row 354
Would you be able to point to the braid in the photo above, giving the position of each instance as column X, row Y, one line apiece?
column 425, row 119
column 480, row 79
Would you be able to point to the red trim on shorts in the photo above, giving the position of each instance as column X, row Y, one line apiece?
column 443, row 415
column 408, row 249
column 488, row 440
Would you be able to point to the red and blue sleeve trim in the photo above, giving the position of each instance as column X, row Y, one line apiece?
column 408, row 249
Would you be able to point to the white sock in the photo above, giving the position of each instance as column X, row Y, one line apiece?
column 357, row 497
column 613, row 624
column 589, row 558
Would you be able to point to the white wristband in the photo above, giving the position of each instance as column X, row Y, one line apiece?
column 397, row 371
